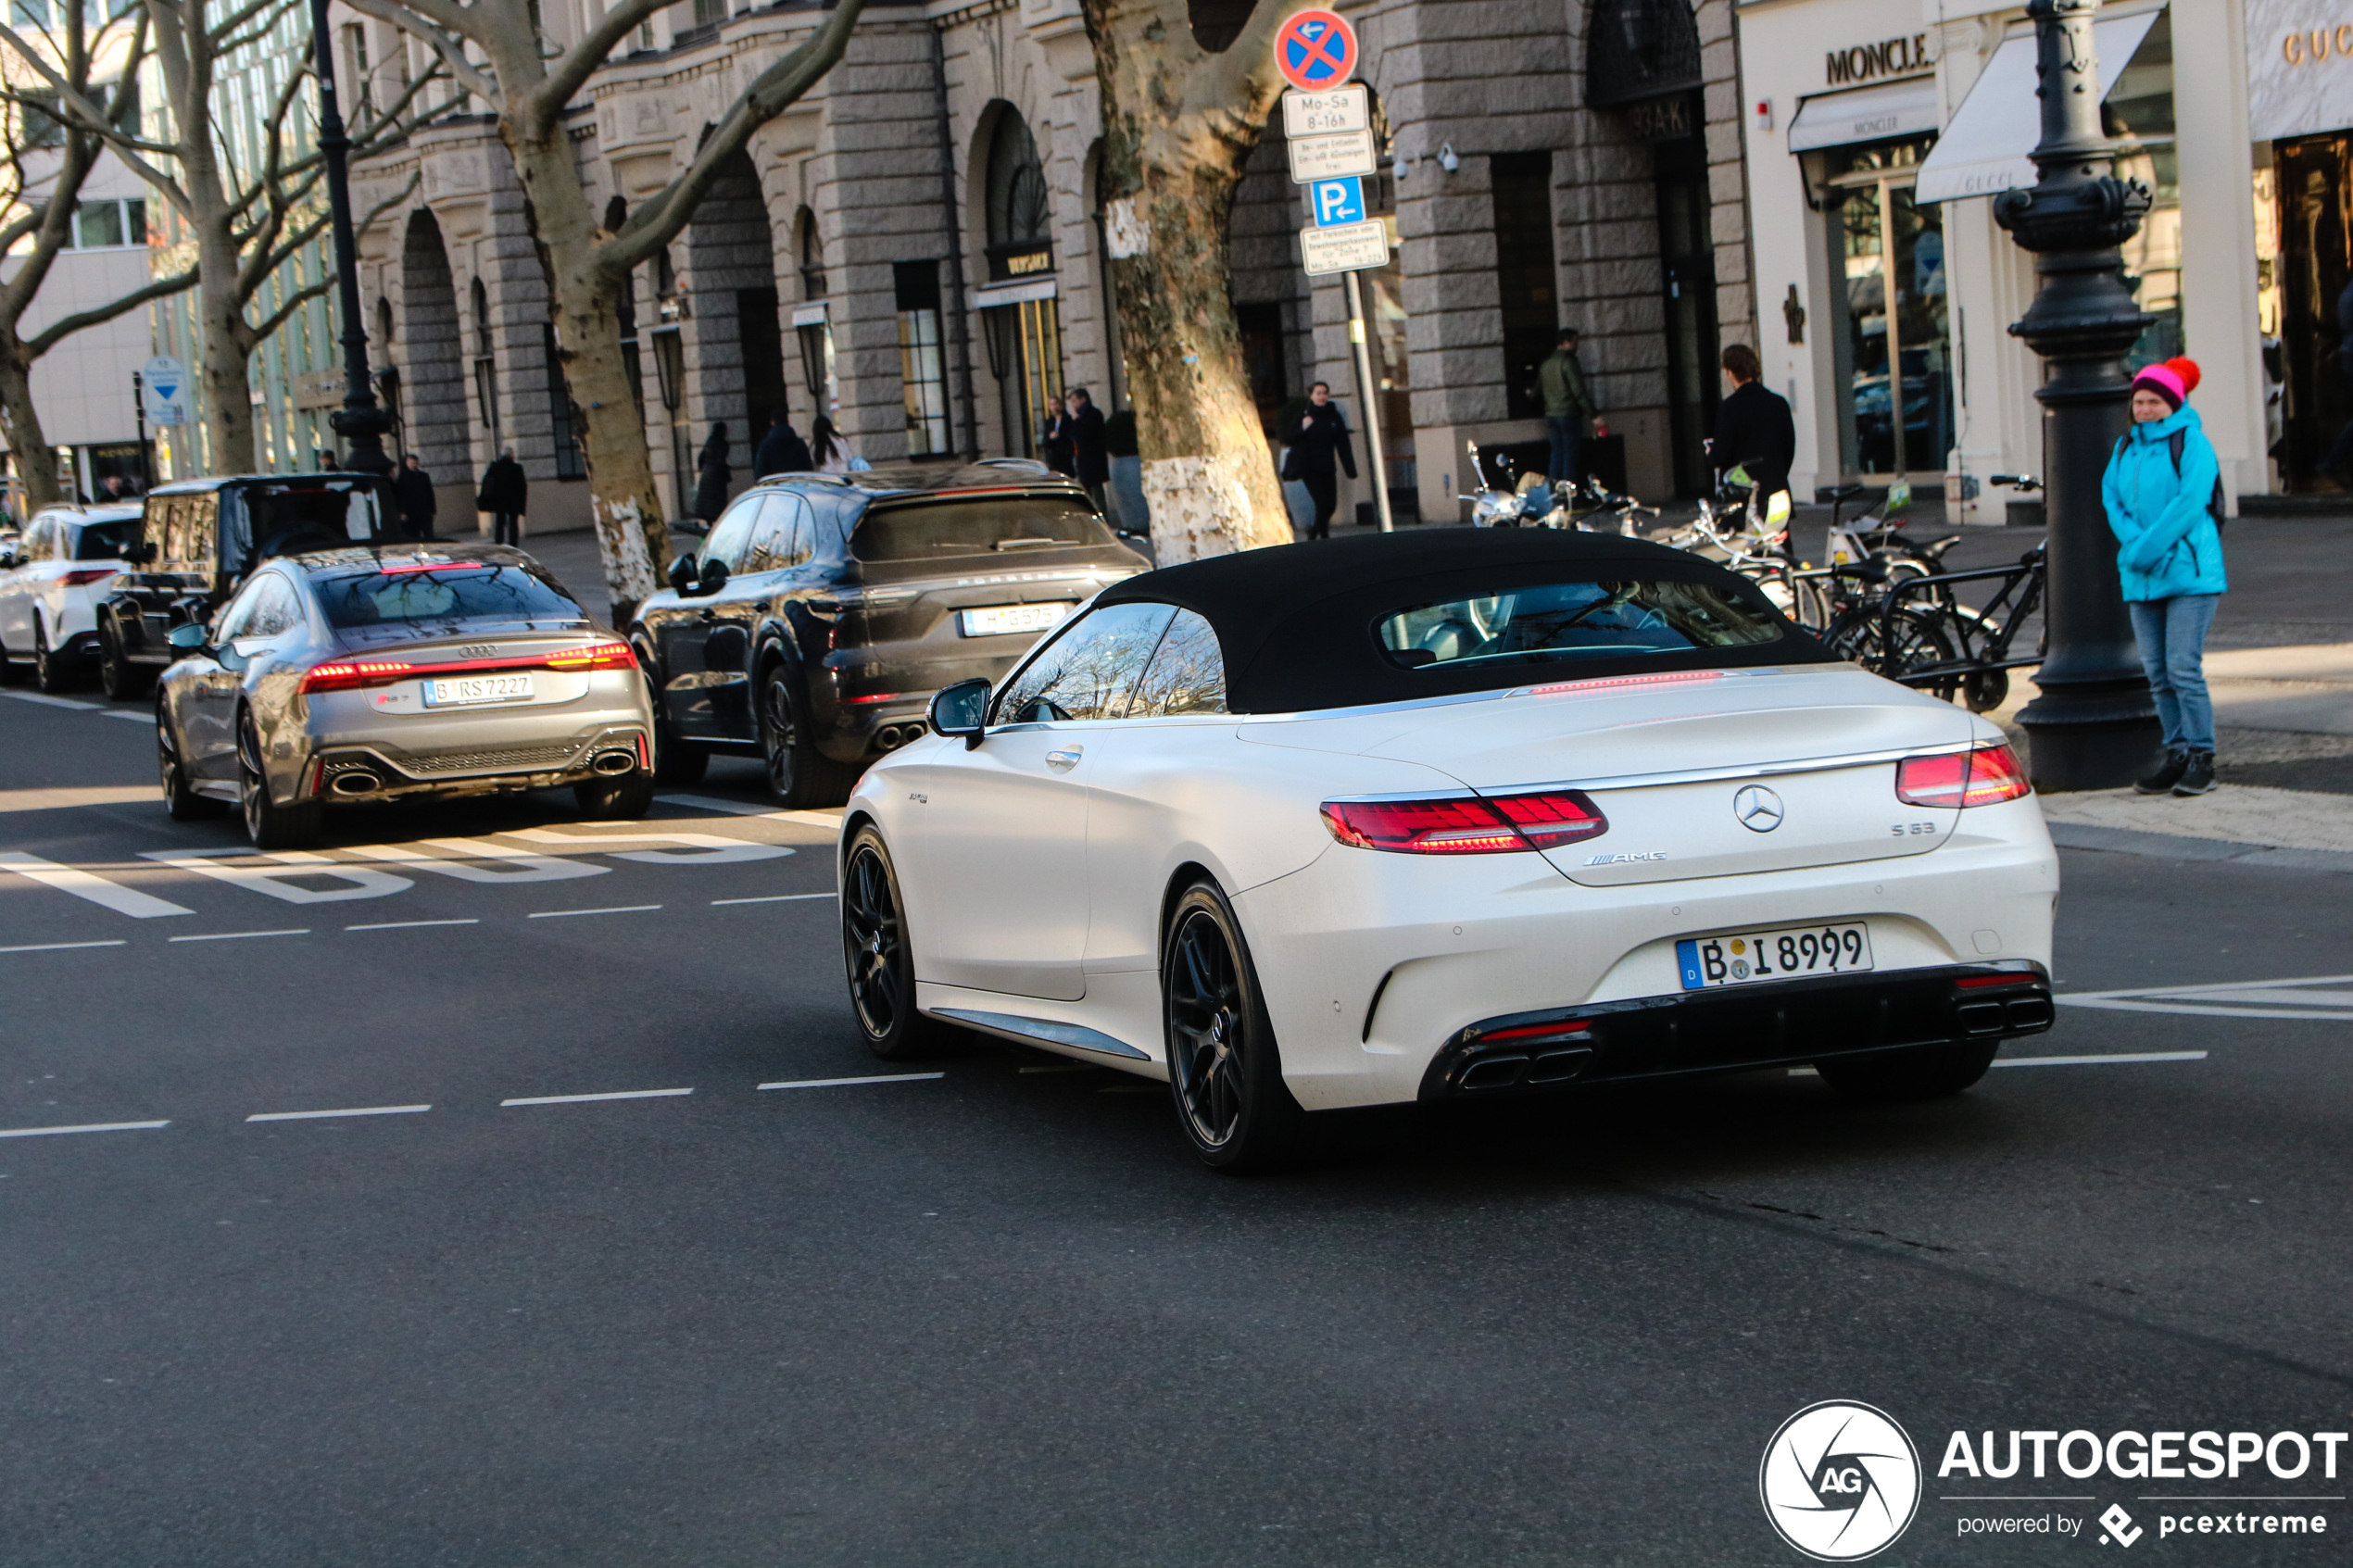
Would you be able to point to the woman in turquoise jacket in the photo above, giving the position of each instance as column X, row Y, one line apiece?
column 2158, row 489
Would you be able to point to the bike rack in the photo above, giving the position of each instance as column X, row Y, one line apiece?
column 2024, row 580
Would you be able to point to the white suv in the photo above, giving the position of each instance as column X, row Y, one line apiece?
column 50, row 586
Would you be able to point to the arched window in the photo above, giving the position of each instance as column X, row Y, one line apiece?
column 1020, row 218
column 1022, row 333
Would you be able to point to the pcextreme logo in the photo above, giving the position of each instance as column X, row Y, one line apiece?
column 1841, row 1480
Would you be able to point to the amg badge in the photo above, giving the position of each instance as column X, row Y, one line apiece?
column 1625, row 859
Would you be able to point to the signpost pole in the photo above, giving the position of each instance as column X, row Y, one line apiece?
column 1368, row 400
column 139, row 412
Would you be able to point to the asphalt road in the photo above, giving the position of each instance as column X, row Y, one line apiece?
column 998, row 1316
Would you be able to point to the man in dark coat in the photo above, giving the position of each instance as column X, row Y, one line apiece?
column 1089, row 463
column 781, row 450
column 1320, row 438
column 505, row 493
column 412, row 489
column 1754, row 428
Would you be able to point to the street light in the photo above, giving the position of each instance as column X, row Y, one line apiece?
column 360, row 421
column 2094, row 726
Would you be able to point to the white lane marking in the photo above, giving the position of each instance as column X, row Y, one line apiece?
column 62, row 799
column 85, row 1127
column 46, row 701
column 85, row 885
column 616, row 910
column 830, row 820
column 2103, row 1060
column 699, row 848
column 2238, row 998
column 506, row 863
column 131, row 714
column 323, row 1115
column 240, row 935
column 583, row 1099
column 63, row 947
column 408, row 924
column 774, row 898
column 844, row 1083
column 364, row 883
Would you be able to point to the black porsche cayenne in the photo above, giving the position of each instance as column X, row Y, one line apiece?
column 823, row 612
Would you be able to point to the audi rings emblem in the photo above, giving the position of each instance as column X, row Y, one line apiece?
column 1758, row 809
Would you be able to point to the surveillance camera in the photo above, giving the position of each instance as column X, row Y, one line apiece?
column 1446, row 159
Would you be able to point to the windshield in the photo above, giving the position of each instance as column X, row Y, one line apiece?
column 106, row 541
column 976, row 526
column 441, row 600
column 1568, row 622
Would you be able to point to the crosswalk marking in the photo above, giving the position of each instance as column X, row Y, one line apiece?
column 88, row 884
column 2303, row 998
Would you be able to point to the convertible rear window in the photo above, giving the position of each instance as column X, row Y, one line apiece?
column 1572, row 622
column 986, row 525
column 423, row 602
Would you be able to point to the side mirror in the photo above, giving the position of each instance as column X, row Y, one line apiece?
column 682, row 575
column 188, row 638
column 961, row 709
column 715, row 576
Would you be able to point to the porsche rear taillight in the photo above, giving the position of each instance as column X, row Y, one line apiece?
column 81, row 574
column 345, row 674
column 1498, row 824
column 1985, row 777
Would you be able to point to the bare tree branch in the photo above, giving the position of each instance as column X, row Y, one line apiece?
column 580, row 62
column 419, row 20
column 294, row 302
column 98, row 315
column 650, row 226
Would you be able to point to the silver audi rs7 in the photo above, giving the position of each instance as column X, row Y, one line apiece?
column 344, row 677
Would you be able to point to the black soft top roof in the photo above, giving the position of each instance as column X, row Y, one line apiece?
column 1296, row 622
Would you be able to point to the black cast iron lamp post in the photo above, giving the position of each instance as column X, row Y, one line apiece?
column 2094, row 726
column 360, row 421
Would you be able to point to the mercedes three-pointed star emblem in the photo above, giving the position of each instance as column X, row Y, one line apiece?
column 1758, row 809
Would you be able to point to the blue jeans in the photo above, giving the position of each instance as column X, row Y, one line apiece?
column 1567, row 432
column 2172, row 634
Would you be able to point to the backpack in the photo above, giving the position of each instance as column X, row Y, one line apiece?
column 2176, row 444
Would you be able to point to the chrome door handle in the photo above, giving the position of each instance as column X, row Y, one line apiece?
column 1063, row 761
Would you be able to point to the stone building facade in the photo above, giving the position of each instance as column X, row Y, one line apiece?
column 915, row 250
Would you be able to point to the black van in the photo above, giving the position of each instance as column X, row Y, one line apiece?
column 200, row 537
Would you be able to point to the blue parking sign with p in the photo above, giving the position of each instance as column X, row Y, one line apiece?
column 1337, row 201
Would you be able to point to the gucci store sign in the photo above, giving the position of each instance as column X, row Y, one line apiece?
column 2299, row 68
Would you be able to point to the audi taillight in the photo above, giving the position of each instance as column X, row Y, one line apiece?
column 349, row 674
column 1983, row 777
column 601, row 655
column 1498, row 824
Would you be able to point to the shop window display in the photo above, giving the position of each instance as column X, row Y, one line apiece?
column 1894, row 343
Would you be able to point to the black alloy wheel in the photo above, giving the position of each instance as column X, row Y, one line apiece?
column 269, row 824
column 880, row 965
column 799, row 775
column 1223, row 1071
column 1913, row 1072
column 180, row 802
column 118, row 677
column 51, row 673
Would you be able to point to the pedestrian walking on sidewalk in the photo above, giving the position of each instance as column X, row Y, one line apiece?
column 2164, row 496
column 713, row 475
column 505, row 493
column 1318, row 443
column 1567, row 405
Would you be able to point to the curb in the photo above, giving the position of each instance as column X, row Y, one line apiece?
column 2172, row 846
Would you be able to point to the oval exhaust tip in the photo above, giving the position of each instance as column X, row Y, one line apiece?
column 355, row 783
column 612, row 763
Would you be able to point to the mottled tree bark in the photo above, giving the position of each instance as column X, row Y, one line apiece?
column 1180, row 123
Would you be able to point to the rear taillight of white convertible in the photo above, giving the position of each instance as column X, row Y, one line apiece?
column 1467, row 824
column 1987, row 776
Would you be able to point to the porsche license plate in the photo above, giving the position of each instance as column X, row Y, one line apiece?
column 471, row 691
column 998, row 619
column 1797, row 952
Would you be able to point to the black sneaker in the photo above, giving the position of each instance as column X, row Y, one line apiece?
column 2169, row 774
column 2199, row 777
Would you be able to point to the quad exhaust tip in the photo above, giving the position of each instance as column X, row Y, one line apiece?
column 614, row 763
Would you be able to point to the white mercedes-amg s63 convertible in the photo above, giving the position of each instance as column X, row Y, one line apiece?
column 1454, row 814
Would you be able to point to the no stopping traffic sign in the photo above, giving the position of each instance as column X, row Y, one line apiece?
column 1315, row 49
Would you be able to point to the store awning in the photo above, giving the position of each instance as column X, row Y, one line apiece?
column 1866, row 114
column 1984, row 150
